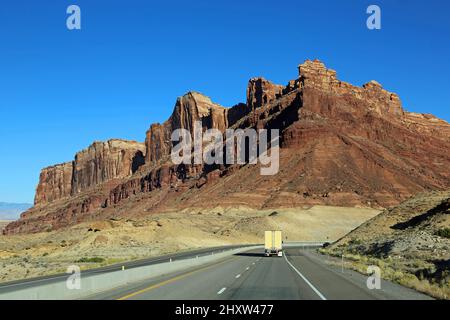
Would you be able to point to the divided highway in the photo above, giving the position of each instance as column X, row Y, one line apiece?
column 301, row 274
column 12, row 286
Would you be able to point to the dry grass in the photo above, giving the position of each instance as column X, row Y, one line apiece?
column 396, row 271
column 409, row 242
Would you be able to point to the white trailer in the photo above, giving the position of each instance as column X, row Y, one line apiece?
column 273, row 243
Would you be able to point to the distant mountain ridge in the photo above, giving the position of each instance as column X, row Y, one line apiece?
column 12, row 211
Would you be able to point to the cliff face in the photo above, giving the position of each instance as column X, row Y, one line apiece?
column 314, row 75
column 104, row 161
column 188, row 109
column 100, row 162
column 261, row 92
column 54, row 183
column 340, row 145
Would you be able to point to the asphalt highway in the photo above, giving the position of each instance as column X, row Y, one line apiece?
column 302, row 274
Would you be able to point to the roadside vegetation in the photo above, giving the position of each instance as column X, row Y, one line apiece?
column 444, row 233
column 430, row 278
column 409, row 242
column 91, row 260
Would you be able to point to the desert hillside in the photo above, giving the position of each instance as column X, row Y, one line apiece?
column 341, row 145
column 410, row 242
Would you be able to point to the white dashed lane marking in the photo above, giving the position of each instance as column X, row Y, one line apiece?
column 222, row 291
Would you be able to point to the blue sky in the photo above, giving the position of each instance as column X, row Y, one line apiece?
column 60, row 90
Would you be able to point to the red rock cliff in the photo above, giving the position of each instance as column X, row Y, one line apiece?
column 340, row 145
column 55, row 182
column 104, row 161
column 188, row 109
column 100, row 162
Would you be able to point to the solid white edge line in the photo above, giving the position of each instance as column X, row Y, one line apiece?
column 306, row 280
column 221, row 290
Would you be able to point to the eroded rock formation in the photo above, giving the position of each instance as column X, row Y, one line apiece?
column 340, row 145
column 55, row 182
column 188, row 109
column 261, row 91
column 104, row 161
column 100, row 162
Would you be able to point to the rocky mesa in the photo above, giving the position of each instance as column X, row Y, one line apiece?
column 341, row 145
column 99, row 163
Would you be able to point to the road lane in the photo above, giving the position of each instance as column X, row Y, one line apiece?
column 246, row 276
column 334, row 284
column 305, row 275
column 270, row 279
column 202, row 283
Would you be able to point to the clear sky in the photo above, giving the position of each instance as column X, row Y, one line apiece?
column 60, row 90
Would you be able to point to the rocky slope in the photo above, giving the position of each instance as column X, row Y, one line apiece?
column 340, row 145
column 411, row 242
column 410, row 228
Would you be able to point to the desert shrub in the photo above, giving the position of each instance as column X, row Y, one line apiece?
column 91, row 260
column 444, row 233
column 355, row 242
column 352, row 257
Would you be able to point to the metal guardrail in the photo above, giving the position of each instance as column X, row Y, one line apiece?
column 109, row 280
column 303, row 244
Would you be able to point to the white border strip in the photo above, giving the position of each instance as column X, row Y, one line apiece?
column 304, row 278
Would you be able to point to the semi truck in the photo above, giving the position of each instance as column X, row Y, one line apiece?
column 273, row 244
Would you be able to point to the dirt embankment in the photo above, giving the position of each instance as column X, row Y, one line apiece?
column 409, row 242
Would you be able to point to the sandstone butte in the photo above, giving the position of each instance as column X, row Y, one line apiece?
column 340, row 144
